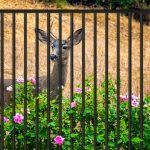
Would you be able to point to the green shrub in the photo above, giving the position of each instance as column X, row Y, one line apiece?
column 124, row 4
column 112, row 4
column 59, row 3
column 77, row 114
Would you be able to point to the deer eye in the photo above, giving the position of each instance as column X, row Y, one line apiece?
column 64, row 47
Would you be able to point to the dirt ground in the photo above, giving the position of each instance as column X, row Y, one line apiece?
column 12, row 4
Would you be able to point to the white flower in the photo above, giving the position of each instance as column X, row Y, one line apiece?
column 20, row 80
column 147, row 105
column 9, row 88
column 28, row 110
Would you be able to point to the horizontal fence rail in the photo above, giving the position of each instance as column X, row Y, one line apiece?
column 52, row 111
column 73, row 11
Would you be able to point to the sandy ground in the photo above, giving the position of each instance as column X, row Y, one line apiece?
column 77, row 49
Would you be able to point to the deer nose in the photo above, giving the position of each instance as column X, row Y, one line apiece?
column 53, row 57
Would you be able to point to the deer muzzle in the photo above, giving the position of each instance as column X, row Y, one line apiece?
column 53, row 57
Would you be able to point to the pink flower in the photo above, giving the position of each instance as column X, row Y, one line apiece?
column 73, row 104
column 58, row 140
column 9, row 88
column 135, row 103
column 6, row 120
column 32, row 80
column 123, row 98
column 134, row 97
column 78, row 90
column 148, row 89
column 20, row 80
column 18, row 118
column 87, row 89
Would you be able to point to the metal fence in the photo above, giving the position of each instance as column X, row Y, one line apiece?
column 51, row 39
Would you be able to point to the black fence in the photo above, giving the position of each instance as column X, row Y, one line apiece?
column 19, row 137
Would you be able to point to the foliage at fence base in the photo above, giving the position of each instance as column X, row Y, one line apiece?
column 109, row 4
column 74, row 109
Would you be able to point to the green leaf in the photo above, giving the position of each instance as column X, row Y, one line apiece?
column 71, row 111
column 120, row 141
column 73, row 135
column 136, row 140
column 11, row 128
column 87, row 111
column 100, row 138
column 111, row 144
column 51, row 124
column 67, row 143
column 33, row 134
column 43, row 135
column 20, row 136
column 145, row 125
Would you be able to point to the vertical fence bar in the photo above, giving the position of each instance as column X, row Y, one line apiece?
column 37, row 80
column 106, row 81
column 95, row 81
column 118, row 80
column 25, row 80
column 2, row 83
column 60, row 75
column 48, row 79
column 141, row 80
column 130, row 78
column 71, row 75
column 83, row 79
column 13, row 74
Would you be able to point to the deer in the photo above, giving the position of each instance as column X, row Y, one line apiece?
column 54, row 57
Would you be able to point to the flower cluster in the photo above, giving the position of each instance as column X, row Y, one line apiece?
column 134, row 99
column 28, row 110
column 18, row 118
column 123, row 98
column 58, row 140
column 21, row 80
column 73, row 104
column 32, row 80
column 79, row 90
column 9, row 88
column 135, row 103
column 148, row 89
column 6, row 120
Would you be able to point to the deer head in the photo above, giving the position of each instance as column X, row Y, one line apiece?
column 65, row 45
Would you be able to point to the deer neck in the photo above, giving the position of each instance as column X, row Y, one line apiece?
column 55, row 78
column 55, row 74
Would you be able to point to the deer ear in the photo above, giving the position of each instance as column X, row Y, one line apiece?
column 41, row 35
column 77, row 37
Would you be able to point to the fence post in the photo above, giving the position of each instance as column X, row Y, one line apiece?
column 2, row 83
